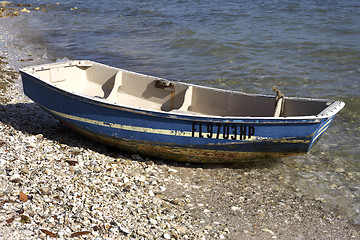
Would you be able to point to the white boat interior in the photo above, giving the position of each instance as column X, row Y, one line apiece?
column 131, row 89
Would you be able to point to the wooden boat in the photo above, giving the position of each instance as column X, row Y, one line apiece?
column 175, row 120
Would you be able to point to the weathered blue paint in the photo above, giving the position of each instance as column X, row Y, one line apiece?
column 173, row 136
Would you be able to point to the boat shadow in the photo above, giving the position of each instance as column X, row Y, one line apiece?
column 29, row 118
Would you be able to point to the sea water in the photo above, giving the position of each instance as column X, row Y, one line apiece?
column 306, row 48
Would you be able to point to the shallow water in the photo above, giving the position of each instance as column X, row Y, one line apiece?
column 306, row 48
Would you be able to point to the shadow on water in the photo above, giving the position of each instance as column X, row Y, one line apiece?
column 32, row 120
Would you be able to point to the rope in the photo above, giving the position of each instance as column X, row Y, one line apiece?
column 279, row 95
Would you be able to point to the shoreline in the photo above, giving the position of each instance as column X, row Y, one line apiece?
column 56, row 183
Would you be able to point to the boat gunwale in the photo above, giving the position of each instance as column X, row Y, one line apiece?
column 332, row 109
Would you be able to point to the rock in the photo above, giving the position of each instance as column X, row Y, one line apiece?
column 27, row 232
column 152, row 221
column 97, row 168
column 4, row 3
column 23, row 197
column 136, row 157
column 340, row 170
column 173, row 170
column 16, row 178
column 10, row 220
column 81, row 233
column 181, row 229
column 124, row 230
column 25, row 170
column 268, row 231
column 167, row 236
column 207, row 211
column 39, row 137
column 163, row 225
column 234, row 208
column 24, row 219
column 16, row 13
column 71, row 162
column 62, row 233
column 51, row 234
column 177, row 201
column 24, row 10
column 45, row 190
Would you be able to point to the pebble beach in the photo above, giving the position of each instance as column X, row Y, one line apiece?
column 55, row 183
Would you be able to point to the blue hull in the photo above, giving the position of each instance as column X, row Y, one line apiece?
column 173, row 136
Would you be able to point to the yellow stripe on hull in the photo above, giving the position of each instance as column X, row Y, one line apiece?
column 138, row 129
